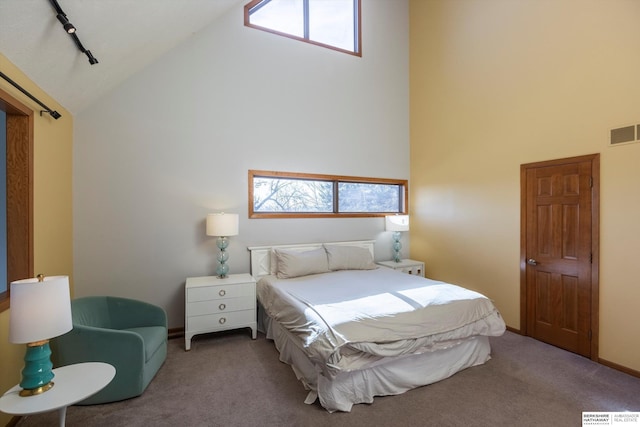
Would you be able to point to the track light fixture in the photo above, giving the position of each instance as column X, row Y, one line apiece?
column 92, row 60
column 71, row 30
column 68, row 26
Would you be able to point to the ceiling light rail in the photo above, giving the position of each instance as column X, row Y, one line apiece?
column 51, row 112
column 71, row 30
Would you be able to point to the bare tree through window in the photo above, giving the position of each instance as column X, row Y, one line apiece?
column 274, row 194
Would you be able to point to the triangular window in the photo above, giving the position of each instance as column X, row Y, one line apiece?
column 334, row 24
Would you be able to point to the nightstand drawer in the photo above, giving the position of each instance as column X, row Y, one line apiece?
column 408, row 266
column 221, row 291
column 222, row 321
column 415, row 269
column 220, row 306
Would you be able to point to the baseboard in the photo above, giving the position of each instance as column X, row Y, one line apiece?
column 175, row 333
column 601, row 361
column 514, row 330
column 620, row 368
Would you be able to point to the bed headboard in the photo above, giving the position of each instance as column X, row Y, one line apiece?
column 263, row 259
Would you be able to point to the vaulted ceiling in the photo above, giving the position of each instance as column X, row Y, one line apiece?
column 124, row 36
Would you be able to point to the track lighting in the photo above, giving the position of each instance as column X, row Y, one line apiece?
column 68, row 26
column 71, row 30
column 92, row 60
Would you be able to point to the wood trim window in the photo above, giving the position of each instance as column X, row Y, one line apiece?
column 19, row 191
column 334, row 25
column 304, row 195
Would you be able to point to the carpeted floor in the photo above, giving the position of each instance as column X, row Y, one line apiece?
column 227, row 379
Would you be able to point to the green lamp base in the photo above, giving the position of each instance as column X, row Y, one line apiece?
column 397, row 246
column 223, row 257
column 37, row 373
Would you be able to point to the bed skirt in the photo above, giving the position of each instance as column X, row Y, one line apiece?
column 392, row 376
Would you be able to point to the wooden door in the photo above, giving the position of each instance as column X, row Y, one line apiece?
column 559, row 229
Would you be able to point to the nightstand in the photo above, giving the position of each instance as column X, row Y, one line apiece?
column 409, row 266
column 213, row 304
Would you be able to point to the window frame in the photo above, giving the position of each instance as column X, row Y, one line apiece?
column 20, row 206
column 335, row 179
column 306, row 39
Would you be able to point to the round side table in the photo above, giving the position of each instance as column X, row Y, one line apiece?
column 72, row 384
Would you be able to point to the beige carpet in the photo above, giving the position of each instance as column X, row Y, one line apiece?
column 228, row 379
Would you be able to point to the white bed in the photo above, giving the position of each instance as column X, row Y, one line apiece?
column 352, row 330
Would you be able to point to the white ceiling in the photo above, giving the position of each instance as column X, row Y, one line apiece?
column 124, row 35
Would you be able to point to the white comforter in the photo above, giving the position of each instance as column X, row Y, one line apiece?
column 348, row 320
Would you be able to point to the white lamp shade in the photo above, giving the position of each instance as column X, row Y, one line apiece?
column 396, row 223
column 39, row 310
column 222, row 224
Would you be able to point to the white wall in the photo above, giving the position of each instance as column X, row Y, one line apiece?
column 175, row 142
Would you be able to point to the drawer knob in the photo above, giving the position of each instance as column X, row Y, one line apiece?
column 222, row 320
column 222, row 306
column 222, row 292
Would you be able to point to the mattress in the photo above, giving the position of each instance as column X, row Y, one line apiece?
column 348, row 323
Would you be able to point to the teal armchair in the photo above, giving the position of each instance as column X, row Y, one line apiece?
column 131, row 335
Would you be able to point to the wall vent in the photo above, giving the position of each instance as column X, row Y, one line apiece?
column 624, row 135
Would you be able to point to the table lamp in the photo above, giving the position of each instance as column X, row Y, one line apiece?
column 222, row 225
column 40, row 310
column 397, row 224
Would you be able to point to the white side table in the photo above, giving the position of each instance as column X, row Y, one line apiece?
column 409, row 266
column 213, row 304
column 72, row 384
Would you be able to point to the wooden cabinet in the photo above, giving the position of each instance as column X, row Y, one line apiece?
column 213, row 304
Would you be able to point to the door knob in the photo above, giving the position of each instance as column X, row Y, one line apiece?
column 532, row 261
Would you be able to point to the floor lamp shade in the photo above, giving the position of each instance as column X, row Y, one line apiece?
column 40, row 310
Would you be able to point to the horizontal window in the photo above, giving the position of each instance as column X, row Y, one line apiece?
column 293, row 195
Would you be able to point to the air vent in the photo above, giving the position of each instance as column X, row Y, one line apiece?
column 624, row 135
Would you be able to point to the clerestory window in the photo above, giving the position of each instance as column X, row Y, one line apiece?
column 297, row 195
column 334, row 24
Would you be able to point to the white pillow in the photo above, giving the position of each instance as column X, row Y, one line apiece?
column 290, row 263
column 349, row 258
